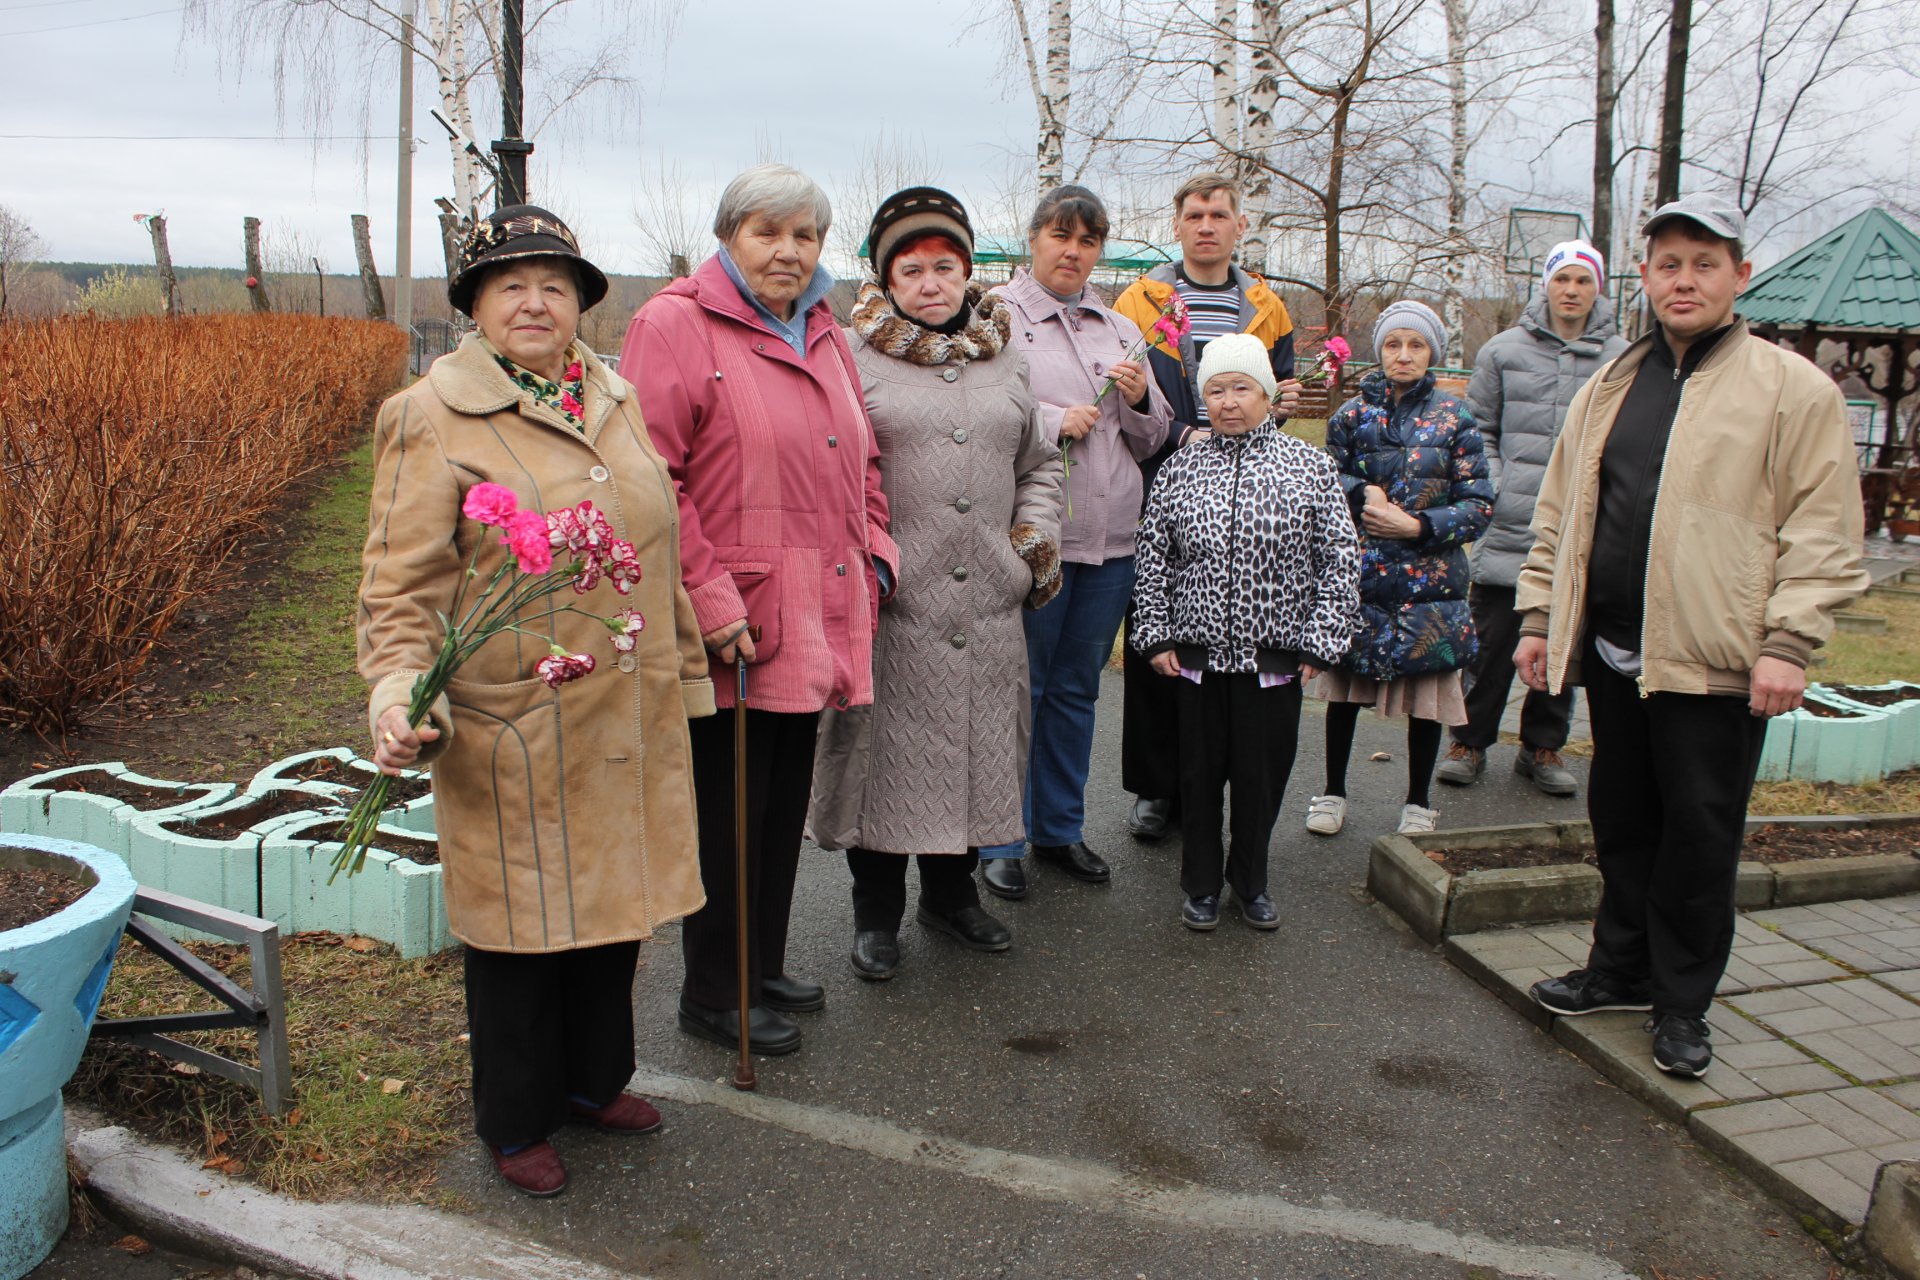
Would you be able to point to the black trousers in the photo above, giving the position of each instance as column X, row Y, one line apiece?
column 543, row 1026
column 1672, row 774
column 1232, row 732
column 1149, row 727
column 779, row 781
column 880, row 886
column 1544, row 717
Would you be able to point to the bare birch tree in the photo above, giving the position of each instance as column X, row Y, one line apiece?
column 329, row 48
column 19, row 245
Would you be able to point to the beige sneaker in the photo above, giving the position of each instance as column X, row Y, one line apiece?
column 1416, row 821
column 1326, row 815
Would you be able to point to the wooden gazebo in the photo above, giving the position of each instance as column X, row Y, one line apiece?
column 1857, row 286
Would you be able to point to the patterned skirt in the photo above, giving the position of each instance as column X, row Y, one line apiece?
column 1429, row 697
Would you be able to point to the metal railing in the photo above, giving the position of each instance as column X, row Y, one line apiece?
column 261, row 1010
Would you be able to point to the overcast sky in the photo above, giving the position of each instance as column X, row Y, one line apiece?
column 105, row 78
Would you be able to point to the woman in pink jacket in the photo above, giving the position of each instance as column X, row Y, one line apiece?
column 1073, row 347
column 750, row 394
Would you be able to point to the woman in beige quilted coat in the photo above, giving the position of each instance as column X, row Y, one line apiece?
column 565, row 815
column 935, row 766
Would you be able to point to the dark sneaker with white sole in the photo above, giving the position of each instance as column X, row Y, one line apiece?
column 1584, row 991
column 1680, row 1045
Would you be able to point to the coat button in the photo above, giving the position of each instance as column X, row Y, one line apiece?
column 963, row 506
column 949, row 374
column 843, row 703
column 598, row 475
column 959, row 640
column 840, row 569
column 759, row 346
column 960, row 574
column 960, row 436
column 626, row 662
column 833, row 442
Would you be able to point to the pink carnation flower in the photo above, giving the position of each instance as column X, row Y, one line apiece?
column 626, row 626
column 526, row 537
column 623, row 567
column 560, row 667
column 493, row 504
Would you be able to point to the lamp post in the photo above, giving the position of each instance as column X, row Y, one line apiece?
column 512, row 149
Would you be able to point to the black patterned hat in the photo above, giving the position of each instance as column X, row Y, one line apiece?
column 520, row 231
column 906, row 215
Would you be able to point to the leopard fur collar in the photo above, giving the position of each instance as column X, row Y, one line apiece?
column 888, row 332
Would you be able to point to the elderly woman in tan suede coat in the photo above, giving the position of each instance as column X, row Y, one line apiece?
column 935, row 766
column 565, row 814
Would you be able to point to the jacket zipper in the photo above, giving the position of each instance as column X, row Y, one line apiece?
column 1640, row 681
column 1233, row 541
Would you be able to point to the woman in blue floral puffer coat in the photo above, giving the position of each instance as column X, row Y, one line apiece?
column 1415, row 475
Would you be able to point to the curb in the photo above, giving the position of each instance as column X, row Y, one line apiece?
column 173, row 1202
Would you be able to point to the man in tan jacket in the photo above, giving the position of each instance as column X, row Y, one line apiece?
column 1699, row 523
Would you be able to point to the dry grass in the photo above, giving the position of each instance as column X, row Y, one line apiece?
column 356, row 1021
column 1897, row 793
column 134, row 457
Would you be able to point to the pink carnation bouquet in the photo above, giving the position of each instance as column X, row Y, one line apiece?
column 1169, row 326
column 529, row 575
column 1335, row 353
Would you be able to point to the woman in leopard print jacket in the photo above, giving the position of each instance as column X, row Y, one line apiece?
column 1248, row 579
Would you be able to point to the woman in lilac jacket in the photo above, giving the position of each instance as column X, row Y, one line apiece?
column 1073, row 346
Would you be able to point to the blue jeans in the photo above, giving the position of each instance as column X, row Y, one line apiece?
column 1068, row 645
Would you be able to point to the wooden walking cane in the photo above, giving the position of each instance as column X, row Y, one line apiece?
column 743, row 1076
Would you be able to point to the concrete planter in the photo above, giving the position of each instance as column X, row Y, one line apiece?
column 213, row 854
column 1841, row 879
column 1437, row 904
column 1776, row 755
column 1850, row 747
column 46, row 805
column 392, row 898
column 1903, row 716
column 52, row 973
column 415, row 815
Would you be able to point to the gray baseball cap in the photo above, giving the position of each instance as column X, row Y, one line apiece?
column 1711, row 210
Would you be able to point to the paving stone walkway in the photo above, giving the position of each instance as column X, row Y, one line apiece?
column 1816, row 1030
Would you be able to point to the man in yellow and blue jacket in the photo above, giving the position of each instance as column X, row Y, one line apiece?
column 1220, row 298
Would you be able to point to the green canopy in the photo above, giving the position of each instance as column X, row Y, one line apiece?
column 1864, row 275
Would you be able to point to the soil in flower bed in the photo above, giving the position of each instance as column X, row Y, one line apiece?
column 231, row 822
column 1826, row 712
column 1878, row 697
column 28, row 894
column 425, row 852
column 326, row 769
column 1457, row 861
column 115, row 787
column 1769, row 844
column 1801, row 844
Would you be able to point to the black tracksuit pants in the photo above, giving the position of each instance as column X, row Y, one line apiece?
column 543, row 1027
column 1149, row 727
column 1672, row 774
column 1545, row 718
column 779, row 782
column 880, row 886
column 1232, row 732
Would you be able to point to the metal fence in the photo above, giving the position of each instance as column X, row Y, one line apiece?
column 432, row 339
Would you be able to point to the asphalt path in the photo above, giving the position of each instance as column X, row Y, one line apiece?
column 1118, row 1096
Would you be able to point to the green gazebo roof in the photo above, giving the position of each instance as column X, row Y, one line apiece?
column 1862, row 275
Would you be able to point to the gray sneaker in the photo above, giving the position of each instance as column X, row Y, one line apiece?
column 1548, row 771
column 1462, row 765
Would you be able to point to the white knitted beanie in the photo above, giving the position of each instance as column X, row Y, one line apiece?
column 1238, row 353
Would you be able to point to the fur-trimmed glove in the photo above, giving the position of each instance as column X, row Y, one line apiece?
column 1042, row 556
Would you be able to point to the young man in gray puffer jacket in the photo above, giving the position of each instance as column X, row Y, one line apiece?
column 1523, row 380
